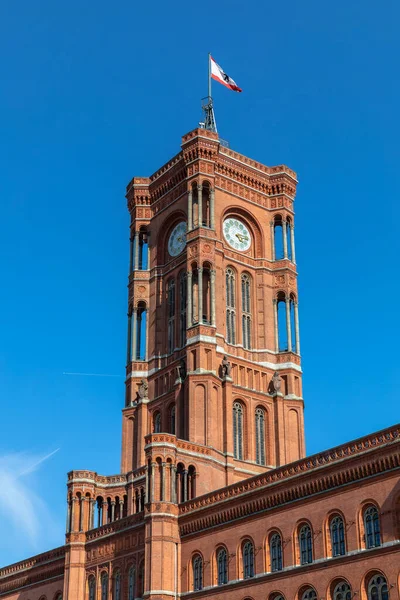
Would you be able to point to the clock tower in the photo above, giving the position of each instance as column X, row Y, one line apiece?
column 213, row 376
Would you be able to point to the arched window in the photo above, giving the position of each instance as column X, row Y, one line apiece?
column 222, row 565
column 305, row 543
column 230, row 307
column 372, row 527
column 171, row 315
column 238, row 430
column 248, row 560
column 309, row 594
column 157, row 423
column 143, row 251
column 141, row 579
column 342, row 591
column 104, row 586
column 182, row 306
column 117, row 586
column 378, row 589
column 260, row 436
column 131, row 583
column 276, row 552
column 141, row 332
column 278, row 238
column 58, row 597
column 337, row 536
column 172, row 423
column 246, row 312
column 197, row 572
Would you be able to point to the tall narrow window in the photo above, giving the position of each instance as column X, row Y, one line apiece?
column 248, row 560
column 172, row 424
column 276, row 552
column 157, row 423
column 305, row 542
column 141, row 332
column 246, row 312
column 222, row 565
column 238, row 431
column 372, row 527
column 197, row 573
column 337, row 537
column 117, row 586
column 171, row 315
column 260, row 436
column 230, row 307
column 182, row 311
column 104, row 586
column 92, row 588
column 378, row 589
column 131, row 583
column 342, row 591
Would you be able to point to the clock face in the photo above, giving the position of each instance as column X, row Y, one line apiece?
column 236, row 234
column 177, row 239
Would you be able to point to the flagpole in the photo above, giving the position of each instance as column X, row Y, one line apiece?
column 209, row 74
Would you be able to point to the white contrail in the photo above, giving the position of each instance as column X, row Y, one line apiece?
column 93, row 374
column 38, row 462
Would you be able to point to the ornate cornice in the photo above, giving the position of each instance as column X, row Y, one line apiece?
column 304, row 478
column 39, row 568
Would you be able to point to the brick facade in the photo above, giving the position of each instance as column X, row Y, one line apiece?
column 215, row 498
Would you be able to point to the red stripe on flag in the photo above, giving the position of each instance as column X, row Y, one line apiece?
column 235, row 88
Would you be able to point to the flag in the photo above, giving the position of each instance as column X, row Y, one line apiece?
column 219, row 75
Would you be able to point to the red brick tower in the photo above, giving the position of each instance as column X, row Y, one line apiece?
column 212, row 316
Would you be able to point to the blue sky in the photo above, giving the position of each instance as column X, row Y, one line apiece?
column 92, row 94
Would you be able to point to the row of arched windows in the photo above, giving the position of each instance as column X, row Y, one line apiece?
column 283, row 238
column 238, row 433
column 376, row 588
column 170, row 426
column 245, row 308
column 134, row 583
column 304, row 543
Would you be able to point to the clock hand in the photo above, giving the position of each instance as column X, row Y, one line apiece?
column 241, row 238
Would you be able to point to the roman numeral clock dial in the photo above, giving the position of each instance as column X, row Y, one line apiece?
column 236, row 234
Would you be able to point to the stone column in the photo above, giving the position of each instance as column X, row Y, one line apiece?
column 81, row 512
column 134, row 333
column 72, row 528
column 112, row 510
column 276, row 332
column 146, row 491
column 212, row 208
column 148, row 251
column 200, row 291
column 284, row 234
column 292, row 244
column 163, row 482
column 288, row 324
column 105, row 513
column 272, row 229
column 189, row 303
column 190, row 210
column 173, row 483
column 136, row 264
column 121, row 508
column 212, row 282
column 296, row 326
column 68, row 524
column 185, row 485
column 130, row 255
column 153, row 473
column 92, row 513
column 200, row 204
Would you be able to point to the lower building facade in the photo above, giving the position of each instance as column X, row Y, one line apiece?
column 324, row 527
